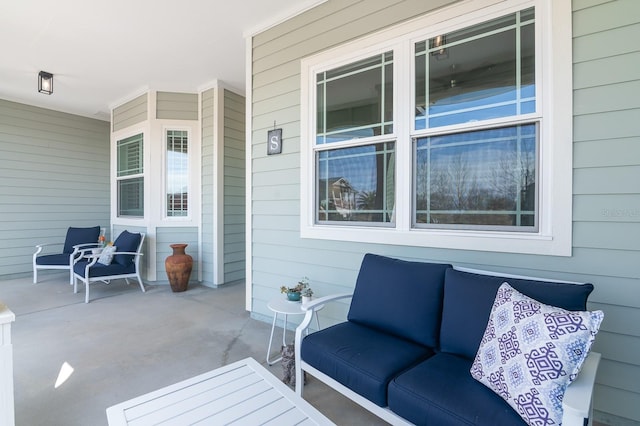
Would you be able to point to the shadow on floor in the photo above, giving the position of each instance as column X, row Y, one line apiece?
column 126, row 343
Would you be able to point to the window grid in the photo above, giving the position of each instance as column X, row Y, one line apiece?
column 130, row 176
column 177, row 173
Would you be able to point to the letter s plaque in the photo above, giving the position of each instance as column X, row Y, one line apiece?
column 274, row 142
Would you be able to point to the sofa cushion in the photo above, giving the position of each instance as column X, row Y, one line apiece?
column 77, row 236
column 399, row 297
column 106, row 255
column 468, row 299
column 440, row 391
column 530, row 352
column 126, row 242
column 54, row 259
column 361, row 358
column 100, row 270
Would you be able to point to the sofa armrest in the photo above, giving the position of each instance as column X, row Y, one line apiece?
column 576, row 403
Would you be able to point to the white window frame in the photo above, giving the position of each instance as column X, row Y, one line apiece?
column 554, row 98
column 165, row 173
column 116, row 202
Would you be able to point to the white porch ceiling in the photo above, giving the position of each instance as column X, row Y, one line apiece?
column 103, row 52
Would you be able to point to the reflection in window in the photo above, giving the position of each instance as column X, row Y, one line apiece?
column 355, row 100
column 485, row 178
column 483, row 72
column 177, row 172
column 356, row 184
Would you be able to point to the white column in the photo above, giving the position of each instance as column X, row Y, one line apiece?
column 7, row 416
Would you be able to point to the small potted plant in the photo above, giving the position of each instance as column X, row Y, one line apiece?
column 294, row 293
column 306, row 295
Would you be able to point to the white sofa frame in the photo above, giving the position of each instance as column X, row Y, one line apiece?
column 86, row 279
column 576, row 404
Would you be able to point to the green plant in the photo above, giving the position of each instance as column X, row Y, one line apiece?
column 302, row 287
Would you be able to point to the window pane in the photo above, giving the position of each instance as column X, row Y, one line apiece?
column 177, row 172
column 483, row 178
column 356, row 184
column 356, row 100
column 130, row 159
column 131, row 197
column 478, row 73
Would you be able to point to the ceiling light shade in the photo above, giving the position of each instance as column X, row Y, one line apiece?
column 45, row 82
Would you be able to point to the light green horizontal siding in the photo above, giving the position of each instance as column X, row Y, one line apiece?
column 54, row 173
column 177, row 106
column 234, row 187
column 606, row 198
column 133, row 112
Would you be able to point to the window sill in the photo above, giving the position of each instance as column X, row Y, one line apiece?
column 502, row 242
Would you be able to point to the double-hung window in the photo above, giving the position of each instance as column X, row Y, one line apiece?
column 452, row 130
column 130, row 176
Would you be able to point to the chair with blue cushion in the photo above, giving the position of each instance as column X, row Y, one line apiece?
column 123, row 263
column 76, row 240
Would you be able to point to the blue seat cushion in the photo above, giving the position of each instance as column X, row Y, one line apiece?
column 361, row 358
column 399, row 297
column 126, row 242
column 53, row 259
column 100, row 270
column 77, row 236
column 441, row 391
column 468, row 299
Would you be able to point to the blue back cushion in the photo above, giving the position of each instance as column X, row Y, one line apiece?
column 128, row 242
column 468, row 299
column 77, row 236
column 399, row 297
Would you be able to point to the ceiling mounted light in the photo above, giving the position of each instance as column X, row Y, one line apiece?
column 45, row 82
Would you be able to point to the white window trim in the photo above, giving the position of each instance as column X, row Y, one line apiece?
column 190, row 186
column 553, row 29
column 115, row 137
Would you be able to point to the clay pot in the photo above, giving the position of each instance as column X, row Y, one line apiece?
column 178, row 267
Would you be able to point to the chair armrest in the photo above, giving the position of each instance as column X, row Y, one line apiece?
column 40, row 247
column 576, row 403
column 314, row 304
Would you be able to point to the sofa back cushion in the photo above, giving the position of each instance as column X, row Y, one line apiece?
column 77, row 236
column 399, row 297
column 468, row 299
column 126, row 242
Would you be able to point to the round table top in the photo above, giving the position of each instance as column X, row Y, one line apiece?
column 283, row 306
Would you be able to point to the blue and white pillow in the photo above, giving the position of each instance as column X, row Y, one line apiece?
column 531, row 352
column 106, row 255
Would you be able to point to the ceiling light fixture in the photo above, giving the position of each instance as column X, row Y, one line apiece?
column 45, row 82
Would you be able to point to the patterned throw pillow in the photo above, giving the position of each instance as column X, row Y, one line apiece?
column 106, row 255
column 531, row 352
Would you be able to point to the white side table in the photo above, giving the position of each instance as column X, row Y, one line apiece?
column 281, row 305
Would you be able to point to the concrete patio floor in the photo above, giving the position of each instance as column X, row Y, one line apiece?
column 126, row 343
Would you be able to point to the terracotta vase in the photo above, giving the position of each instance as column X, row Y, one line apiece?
column 178, row 267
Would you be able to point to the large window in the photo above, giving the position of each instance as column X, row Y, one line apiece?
column 177, row 173
column 447, row 132
column 129, row 177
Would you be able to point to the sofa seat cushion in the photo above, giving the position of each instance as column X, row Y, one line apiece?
column 53, row 259
column 440, row 391
column 468, row 299
column 100, row 270
column 361, row 358
column 399, row 297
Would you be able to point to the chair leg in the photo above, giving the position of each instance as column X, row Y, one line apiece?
column 35, row 275
column 140, row 282
column 86, row 293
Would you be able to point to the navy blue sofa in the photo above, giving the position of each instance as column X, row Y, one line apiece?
column 410, row 338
